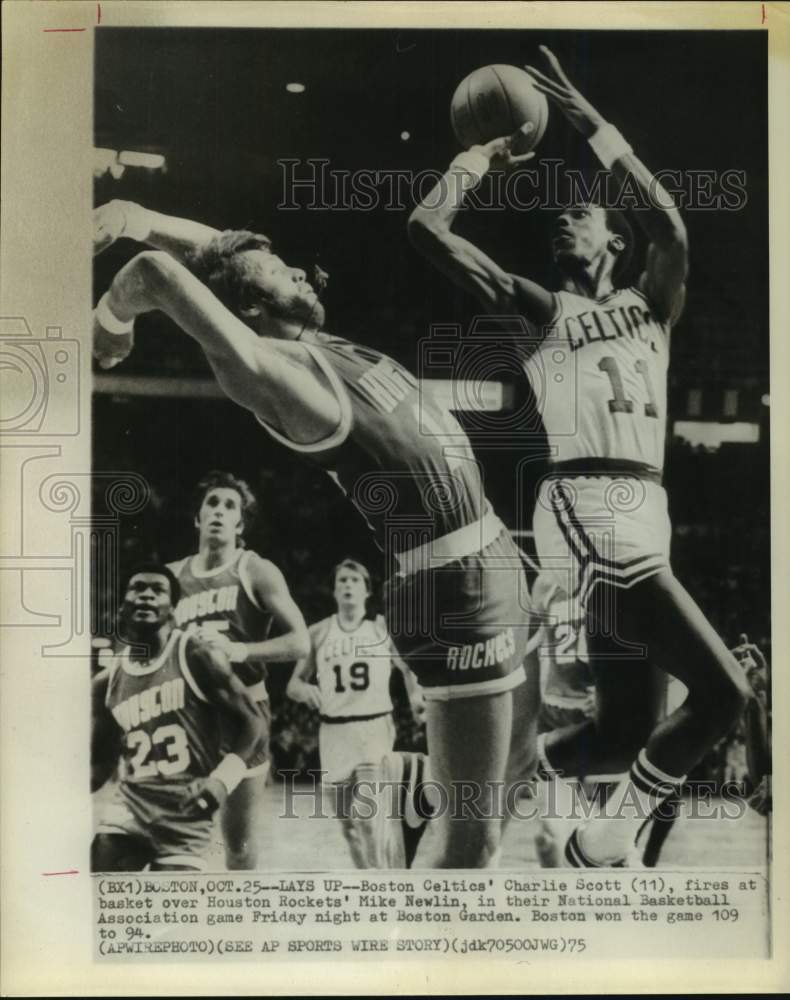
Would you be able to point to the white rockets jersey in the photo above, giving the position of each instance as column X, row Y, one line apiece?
column 600, row 378
column 353, row 670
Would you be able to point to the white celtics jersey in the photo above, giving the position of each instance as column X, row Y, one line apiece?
column 600, row 378
column 353, row 670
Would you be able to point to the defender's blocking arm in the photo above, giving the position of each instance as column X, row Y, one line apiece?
column 127, row 220
column 275, row 379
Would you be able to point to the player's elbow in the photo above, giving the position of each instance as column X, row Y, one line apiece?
column 300, row 644
column 157, row 272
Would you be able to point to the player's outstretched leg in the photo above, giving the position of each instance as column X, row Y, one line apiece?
column 660, row 614
column 469, row 741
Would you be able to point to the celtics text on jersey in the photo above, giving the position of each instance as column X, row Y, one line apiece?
column 600, row 378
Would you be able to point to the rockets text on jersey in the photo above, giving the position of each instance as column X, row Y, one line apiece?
column 401, row 458
column 600, row 378
column 171, row 732
column 353, row 670
column 222, row 599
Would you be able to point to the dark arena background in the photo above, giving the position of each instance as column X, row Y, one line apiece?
column 216, row 112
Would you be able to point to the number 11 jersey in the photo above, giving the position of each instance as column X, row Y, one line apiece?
column 353, row 670
column 600, row 378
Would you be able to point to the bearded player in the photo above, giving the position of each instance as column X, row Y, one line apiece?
column 230, row 595
column 456, row 601
column 346, row 678
column 183, row 726
column 600, row 353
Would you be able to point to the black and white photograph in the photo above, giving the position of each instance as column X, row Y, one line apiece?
column 423, row 557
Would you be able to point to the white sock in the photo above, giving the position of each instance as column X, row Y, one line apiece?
column 613, row 826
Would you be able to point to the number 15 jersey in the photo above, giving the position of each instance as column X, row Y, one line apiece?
column 600, row 378
column 353, row 670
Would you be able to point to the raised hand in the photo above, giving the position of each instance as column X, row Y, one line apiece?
column 502, row 153
column 109, row 223
column 110, row 349
column 561, row 92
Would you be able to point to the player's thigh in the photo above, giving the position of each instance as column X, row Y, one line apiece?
column 245, row 808
column 117, row 852
column 522, row 755
column 629, row 690
column 469, row 739
column 660, row 614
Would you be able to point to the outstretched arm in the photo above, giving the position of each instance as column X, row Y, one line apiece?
column 271, row 593
column 663, row 280
column 430, row 230
column 125, row 219
column 275, row 379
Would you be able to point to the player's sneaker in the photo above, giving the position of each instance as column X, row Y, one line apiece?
column 409, row 770
column 576, row 857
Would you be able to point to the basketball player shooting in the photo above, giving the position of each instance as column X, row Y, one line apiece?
column 456, row 603
column 601, row 522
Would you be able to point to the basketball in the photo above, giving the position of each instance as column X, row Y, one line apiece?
column 494, row 101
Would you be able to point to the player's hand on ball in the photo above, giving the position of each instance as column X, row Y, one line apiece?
column 110, row 349
column 109, row 223
column 203, row 797
column 561, row 92
column 503, row 152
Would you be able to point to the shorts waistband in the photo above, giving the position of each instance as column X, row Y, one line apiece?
column 333, row 720
column 612, row 468
column 456, row 545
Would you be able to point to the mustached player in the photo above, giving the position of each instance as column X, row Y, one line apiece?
column 162, row 708
column 230, row 596
column 456, row 602
column 346, row 678
column 601, row 523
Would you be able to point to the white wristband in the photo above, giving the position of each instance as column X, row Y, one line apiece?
column 474, row 165
column 109, row 320
column 609, row 145
column 230, row 771
column 135, row 226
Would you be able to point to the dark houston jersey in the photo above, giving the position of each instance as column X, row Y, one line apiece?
column 401, row 458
